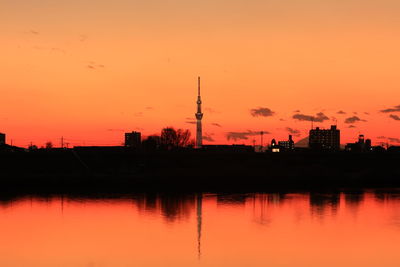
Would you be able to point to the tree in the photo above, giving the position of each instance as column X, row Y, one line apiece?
column 49, row 145
column 151, row 143
column 171, row 138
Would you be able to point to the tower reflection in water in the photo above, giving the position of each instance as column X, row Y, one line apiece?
column 207, row 229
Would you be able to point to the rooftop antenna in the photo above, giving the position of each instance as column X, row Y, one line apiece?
column 262, row 143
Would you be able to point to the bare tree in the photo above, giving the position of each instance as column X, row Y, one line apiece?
column 171, row 138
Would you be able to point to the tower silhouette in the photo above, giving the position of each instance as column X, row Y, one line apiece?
column 199, row 202
column 199, row 117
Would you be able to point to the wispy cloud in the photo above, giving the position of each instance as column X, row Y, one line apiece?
column 33, row 32
column 352, row 126
column 320, row 117
column 243, row 135
column 116, row 130
column 390, row 139
column 83, row 37
column 261, row 112
column 190, row 120
column 294, row 132
column 341, row 112
column 211, row 110
column 353, row 119
column 93, row 65
column 395, row 117
column 208, row 137
column 393, row 109
column 216, row 124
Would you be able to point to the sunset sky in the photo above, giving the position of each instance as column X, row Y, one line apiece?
column 91, row 70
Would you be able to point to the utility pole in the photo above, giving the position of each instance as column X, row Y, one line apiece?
column 262, row 143
column 62, row 142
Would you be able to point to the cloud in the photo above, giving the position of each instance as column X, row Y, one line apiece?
column 390, row 139
column 208, row 137
column 366, row 113
column 34, row 32
column 211, row 110
column 93, row 65
column 320, row 117
column 395, row 117
column 190, row 120
column 216, row 124
column 297, row 111
column 243, row 135
column 115, row 130
column 83, row 37
column 149, row 108
column 294, row 132
column 50, row 49
column 394, row 140
column 352, row 126
column 388, row 110
column 263, row 112
column 341, row 112
column 353, row 119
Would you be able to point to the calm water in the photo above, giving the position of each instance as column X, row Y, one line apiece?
column 341, row 229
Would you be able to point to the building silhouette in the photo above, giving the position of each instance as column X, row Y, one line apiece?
column 2, row 139
column 325, row 139
column 133, row 139
column 274, row 146
column 361, row 145
column 282, row 145
column 199, row 117
column 287, row 145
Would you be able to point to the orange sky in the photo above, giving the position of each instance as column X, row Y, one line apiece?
column 90, row 70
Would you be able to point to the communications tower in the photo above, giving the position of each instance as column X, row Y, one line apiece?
column 199, row 117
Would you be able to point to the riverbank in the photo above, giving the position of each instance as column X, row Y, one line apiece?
column 127, row 171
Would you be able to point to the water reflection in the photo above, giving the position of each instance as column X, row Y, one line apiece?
column 202, row 229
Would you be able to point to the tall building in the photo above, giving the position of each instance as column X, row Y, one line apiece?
column 133, row 139
column 2, row 139
column 199, row 117
column 325, row 139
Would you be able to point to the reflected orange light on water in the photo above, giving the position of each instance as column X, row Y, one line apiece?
column 232, row 230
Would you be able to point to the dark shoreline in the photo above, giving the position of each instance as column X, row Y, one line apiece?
column 128, row 171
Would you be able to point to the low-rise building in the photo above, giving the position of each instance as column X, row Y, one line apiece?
column 133, row 139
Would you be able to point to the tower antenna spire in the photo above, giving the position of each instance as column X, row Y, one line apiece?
column 199, row 117
column 198, row 84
